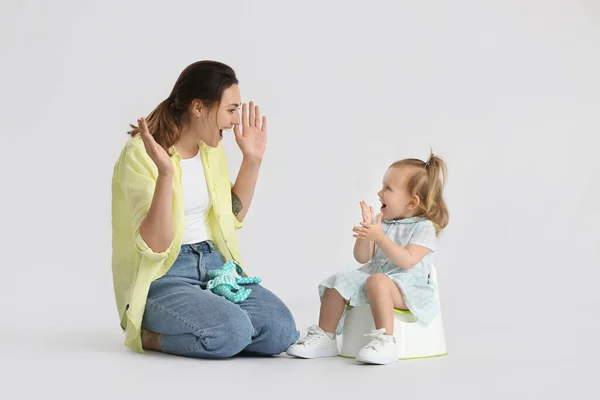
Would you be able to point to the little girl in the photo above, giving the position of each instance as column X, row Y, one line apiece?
column 397, row 249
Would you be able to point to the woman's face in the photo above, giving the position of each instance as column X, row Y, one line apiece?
column 223, row 116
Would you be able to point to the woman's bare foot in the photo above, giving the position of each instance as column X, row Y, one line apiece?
column 151, row 340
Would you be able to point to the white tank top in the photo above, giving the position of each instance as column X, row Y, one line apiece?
column 196, row 201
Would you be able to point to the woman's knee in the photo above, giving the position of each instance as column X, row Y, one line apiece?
column 229, row 337
column 279, row 331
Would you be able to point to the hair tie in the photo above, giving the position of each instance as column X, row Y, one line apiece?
column 429, row 161
column 171, row 100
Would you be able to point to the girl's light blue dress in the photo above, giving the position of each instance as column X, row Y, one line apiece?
column 414, row 283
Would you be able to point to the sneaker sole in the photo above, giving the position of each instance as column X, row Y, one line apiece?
column 376, row 362
column 322, row 354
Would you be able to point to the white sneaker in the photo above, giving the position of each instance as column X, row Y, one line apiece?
column 382, row 349
column 315, row 344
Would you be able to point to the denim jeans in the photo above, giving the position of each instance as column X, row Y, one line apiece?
column 194, row 322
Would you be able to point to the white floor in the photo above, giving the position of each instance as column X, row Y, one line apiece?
column 93, row 364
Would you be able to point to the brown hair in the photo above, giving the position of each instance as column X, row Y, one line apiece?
column 427, row 181
column 204, row 80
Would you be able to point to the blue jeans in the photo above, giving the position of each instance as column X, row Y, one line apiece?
column 194, row 322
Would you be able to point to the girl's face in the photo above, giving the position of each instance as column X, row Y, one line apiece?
column 396, row 202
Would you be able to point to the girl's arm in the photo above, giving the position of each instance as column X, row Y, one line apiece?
column 363, row 250
column 403, row 257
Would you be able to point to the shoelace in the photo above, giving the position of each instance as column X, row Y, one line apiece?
column 378, row 341
column 313, row 334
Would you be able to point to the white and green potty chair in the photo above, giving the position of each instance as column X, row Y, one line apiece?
column 415, row 339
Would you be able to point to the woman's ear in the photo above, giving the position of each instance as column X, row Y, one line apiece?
column 197, row 108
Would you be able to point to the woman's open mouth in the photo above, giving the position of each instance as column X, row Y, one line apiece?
column 224, row 129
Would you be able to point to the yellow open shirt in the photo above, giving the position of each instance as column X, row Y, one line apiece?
column 134, row 264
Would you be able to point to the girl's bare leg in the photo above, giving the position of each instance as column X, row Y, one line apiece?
column 384, row 295
column 332, row 308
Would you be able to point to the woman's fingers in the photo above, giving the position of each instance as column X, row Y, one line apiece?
column 146, row 137
column 257, row 117
column 143, row 125
column 244, row 115
column 144, row 132
column 264, row 124
column 252, row 121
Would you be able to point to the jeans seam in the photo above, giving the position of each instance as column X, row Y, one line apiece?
column 176, row 315
column 254, row 330
column 191, row 350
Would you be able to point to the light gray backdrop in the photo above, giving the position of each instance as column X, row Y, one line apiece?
column 506, row 91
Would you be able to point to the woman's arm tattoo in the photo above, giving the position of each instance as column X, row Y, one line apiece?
column 236, row 203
